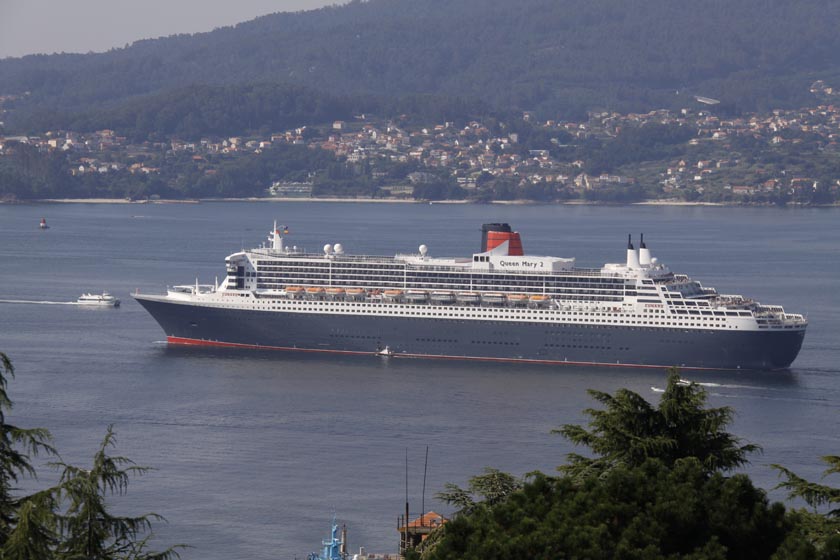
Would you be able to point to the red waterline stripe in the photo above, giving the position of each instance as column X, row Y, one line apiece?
column 219, row 344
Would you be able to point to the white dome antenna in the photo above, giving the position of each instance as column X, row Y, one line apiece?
column 338, row 248
column 423, row 250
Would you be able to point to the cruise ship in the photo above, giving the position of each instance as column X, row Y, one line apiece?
column 498, row 304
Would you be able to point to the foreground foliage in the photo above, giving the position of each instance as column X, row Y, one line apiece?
column 648, row 511
column 631, row 430
column 488, row 489
column 72, row 520
column 655, row 487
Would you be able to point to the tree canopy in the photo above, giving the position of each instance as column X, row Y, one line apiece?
column 650, row 511
column 630, row 430
column 556, row 57
column 657, row 488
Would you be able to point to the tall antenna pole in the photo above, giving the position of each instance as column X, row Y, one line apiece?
column 405, row 528
column 423, row 500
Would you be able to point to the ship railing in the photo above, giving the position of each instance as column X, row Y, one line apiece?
column 677, row 279
column 734, row 302
column 461, row 267
column 192, row 289
column 778, row 316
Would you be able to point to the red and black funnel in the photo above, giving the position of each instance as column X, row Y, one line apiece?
column 493, row 235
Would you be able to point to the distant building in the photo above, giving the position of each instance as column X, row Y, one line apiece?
column 290, row 189
column 706, row 100
column 418, row 530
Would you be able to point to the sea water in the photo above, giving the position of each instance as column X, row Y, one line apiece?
column 254, row 451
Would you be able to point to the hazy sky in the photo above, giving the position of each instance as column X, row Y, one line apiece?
column 48, row 26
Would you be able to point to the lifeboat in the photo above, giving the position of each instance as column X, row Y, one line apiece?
column 293, row 292
column 467, row 297
column 335, row 292
column 417, row 296
column 517, row 299
column 494, row 298
column 539, row 299
column 314, row 291
column 392, row 295
column 355, row 293
column 442, row 297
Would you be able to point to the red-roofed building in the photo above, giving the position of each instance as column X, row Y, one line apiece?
column 418, row 530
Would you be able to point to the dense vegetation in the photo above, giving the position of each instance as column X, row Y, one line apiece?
column 655, row 486
column 25, row 174
column 557, row 57
column 197, row 111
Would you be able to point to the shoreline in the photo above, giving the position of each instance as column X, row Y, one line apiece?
column 664, row 202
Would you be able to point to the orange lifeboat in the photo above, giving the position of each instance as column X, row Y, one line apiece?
column 355, row 293
column 294, row 291
column 539, row 299
column 392, row 295
column 517, row 298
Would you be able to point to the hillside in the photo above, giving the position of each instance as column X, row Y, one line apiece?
column 556, row 57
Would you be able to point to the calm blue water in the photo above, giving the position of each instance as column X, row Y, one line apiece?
column 254, row 451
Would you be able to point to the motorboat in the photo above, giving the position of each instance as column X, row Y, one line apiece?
column 104, row 299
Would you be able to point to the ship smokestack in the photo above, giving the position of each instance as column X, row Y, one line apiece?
column 494, row 235
column 644, row 252
column 632, row 255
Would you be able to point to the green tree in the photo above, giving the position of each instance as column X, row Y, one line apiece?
column 649, row 511
column 35, row 535
column 17, row 446
column 822, row 530
column 89, row 530
column 489, row 489
column 631, row 430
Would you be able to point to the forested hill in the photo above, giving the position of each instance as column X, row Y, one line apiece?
column 556, row 57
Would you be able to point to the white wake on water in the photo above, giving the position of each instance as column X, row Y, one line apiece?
column 39, row 302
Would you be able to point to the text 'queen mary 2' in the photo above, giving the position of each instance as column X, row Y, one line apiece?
column 498, row 304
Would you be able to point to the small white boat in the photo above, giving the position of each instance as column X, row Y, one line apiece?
column 104, row 299
column 43, row 224
column 385, row 352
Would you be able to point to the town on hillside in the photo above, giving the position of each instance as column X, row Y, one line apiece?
column 695, row 154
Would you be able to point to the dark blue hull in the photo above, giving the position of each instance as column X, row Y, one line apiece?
column 470, row 339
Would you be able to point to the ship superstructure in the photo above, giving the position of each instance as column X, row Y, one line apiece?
column 498, row 304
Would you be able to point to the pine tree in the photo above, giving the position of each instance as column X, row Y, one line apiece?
column 17, row 446
column 89, row 530
column 631, row 430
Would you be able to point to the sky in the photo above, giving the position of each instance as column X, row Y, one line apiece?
column 80, row 26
